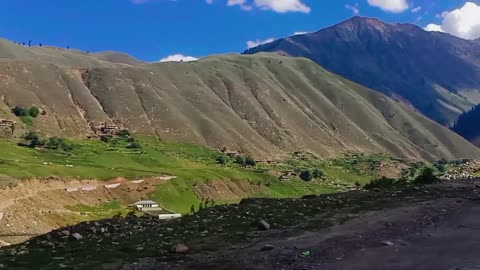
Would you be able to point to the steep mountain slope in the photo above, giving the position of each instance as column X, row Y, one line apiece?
column 467, row 125
column 436, row 73
column 263, row 104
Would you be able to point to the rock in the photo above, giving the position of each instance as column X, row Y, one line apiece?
column 180, row 249
column 263, row 225
column 267, row 248
column 66, row 233
column 2, row 266
column 387, row 243
column 77, row 236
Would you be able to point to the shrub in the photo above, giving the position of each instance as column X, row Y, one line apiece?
column 31, row 136
column 240, row 160
column 106, row 138
column 317, row 173
column 306, row 175
column 34, row 111
column 56, row 143
column 222, row 160
column 134, row 145
column 249, row 161
column 20, row 111
column 426, row 177
column 123, row 133
column 381, row 183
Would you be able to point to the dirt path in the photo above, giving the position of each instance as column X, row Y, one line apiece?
column 438, row 234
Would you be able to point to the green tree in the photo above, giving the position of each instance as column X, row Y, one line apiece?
column 306, row 175
column 222, row 160
column 249, row 161
column 31, row 136
column 20, row 111
column 123, row 133
column 34, row 111
column 426, row 177
column 317, row 173
column 240, row 160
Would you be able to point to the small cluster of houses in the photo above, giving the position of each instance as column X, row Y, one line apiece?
column 104, row 129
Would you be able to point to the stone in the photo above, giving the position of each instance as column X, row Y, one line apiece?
column 66, row 233
column 267, row 248
column 180, row 249
column 263, row 225
column 77, row 236
column 387, row 243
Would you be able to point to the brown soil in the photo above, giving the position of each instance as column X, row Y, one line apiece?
column 36, row 206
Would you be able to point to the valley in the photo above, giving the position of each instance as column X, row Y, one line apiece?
column 352, row 147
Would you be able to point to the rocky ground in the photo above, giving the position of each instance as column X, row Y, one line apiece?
column 414, row 228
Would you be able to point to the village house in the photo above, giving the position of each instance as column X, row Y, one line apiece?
column 141, row 205
column 6, row 123
column 105, row 128
column 152, row 208
column 232, row 154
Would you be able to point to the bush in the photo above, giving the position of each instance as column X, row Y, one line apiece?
column 106, row 138
column 123, row 133
column 426, row 177
column 34, row 111
column 134, row 145
column 31, row 136
column 249, row 161
column 222, row 160
column 317, row 173
column 240, row 160
column 381, row 183
column 306, row 176
column 56, row 143
column 20, row 111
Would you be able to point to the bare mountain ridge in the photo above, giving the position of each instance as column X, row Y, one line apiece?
column 263, row 104
column 436, row 73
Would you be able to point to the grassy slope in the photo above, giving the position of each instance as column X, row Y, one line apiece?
column 190, row 163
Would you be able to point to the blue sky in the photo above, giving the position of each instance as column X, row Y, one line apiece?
column 153, row 29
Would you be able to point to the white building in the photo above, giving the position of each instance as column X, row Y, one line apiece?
column 145, row 204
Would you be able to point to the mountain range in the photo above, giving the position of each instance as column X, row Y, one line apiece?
column 264, row 104
column 432, row 72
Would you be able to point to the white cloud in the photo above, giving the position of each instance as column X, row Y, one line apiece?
column 395, row 6
column 416, row 9
column 178, row 58
column 283, row 6
column 300, row 33
column 433, row 28
column 280, row 6
column 463, row 22
column 255, row 43
column 354, row 8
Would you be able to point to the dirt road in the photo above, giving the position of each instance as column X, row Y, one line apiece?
column 432, row 235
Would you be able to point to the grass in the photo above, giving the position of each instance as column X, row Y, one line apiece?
column 27, row 120
column 94, row 212
column 191, row 164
